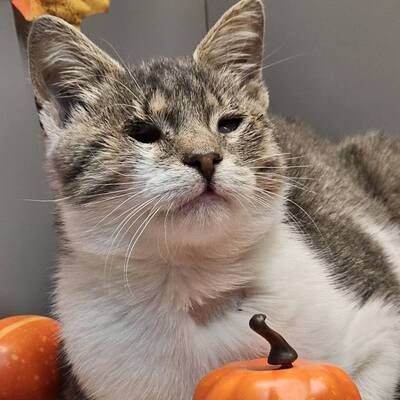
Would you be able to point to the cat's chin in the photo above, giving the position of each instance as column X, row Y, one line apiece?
column 203, row 204
column 203, row 219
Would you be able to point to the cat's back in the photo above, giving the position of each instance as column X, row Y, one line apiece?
column 373, row 162
column 345, row 200
column 366, row 166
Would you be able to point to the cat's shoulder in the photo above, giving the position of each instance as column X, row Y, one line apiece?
column 295, row 135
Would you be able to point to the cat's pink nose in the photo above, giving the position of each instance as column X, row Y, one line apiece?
column 204, row 163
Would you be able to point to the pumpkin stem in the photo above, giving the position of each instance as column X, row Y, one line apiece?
column 281, row 352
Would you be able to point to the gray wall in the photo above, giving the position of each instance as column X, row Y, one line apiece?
column 26, row 237
column 346, row 80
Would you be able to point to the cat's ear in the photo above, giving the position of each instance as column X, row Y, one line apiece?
column 66, row 68
column 236, row 41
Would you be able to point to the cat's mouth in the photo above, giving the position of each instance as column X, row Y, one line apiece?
column 207, row 198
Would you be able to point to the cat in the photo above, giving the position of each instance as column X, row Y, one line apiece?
column 184, row 207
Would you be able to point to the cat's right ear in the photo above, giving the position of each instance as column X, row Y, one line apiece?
column 66, row 68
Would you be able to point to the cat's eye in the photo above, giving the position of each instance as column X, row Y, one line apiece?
column 229, row 124
column 144, row 133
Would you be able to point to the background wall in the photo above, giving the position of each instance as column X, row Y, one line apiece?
column 26, row 238
column 345, row 76
column 342, row 76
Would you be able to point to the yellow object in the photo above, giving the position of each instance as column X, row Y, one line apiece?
column 72, row 11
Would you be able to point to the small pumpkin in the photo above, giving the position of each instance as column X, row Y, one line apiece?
column 28, row 358
column 282, row 377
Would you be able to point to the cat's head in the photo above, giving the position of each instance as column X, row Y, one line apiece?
column 182, row 148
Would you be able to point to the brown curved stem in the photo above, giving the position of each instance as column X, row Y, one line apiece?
column 281, row 352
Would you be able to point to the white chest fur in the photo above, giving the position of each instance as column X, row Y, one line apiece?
column 143, row 343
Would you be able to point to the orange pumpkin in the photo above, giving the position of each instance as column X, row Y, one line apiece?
column 28, row 358
column 283, row 377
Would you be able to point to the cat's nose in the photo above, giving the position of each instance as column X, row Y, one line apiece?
column 203, row 162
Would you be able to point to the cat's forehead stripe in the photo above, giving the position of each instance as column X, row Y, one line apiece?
column 158, row 103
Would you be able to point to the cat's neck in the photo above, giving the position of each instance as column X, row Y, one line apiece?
column 184, row 276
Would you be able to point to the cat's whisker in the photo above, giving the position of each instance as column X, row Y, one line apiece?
column 109, row 44
column 283, row 179
column 286, row 167
column 296, row 222
column 131, row 196
column 290, row 178
column 259, row 201
column 260, row 196
column 135, row 239
column 78, row 196
column 48, row 200
column 237, row 195
column 134, row 95
column 114, row 236
column 271, row 157
column 273, row 52
column 251, row 200
column 165, row 227
column 134, row 80
column 283, row 60
column 297, row 178
column 118, row 207
column 121, row 214
column 266, row 157
column 125, row 192
column 301, row 209
column 132, row 212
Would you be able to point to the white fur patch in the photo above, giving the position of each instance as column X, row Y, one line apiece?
column 387, row 236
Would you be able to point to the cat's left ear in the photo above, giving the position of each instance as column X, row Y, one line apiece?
column 236, row 41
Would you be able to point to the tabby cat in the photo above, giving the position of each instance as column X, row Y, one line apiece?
column 185, row 207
